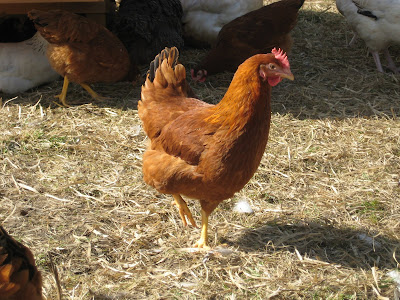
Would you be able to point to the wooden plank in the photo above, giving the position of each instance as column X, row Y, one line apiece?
column 45, row 1
column 96, row 7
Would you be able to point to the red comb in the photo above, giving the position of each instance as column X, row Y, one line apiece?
column 281, row 56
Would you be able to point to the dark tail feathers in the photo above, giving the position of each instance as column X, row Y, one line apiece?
column 171, row 54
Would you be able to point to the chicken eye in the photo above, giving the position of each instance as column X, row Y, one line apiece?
column 271, row 66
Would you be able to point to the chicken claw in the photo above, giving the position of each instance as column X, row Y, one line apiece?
column 62, row 97
column 202, row 242
column 92, row 93
column 391, row 64
column 184, row 210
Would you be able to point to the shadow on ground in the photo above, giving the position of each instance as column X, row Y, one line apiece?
column 347, row 247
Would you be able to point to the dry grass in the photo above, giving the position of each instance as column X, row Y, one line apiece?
column 326, row 196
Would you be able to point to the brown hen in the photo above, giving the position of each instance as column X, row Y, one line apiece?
column 81, row 50
column 203, row 151
column 19, row 277
column 258, row 31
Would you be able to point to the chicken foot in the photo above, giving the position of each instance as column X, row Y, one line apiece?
column 377, row 60
column 391, row 64
column 62, row 97
column 183, row 210
column 202, row 242
column 92, row 93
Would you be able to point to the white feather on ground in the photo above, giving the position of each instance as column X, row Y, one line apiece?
column 24, row 65
column 203, row 19
column 376, row 22
column 243, row 207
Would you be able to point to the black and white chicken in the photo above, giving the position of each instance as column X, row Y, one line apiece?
column 24, row 65
column 377, row 22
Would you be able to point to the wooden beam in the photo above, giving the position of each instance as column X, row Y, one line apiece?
column 80, row 7
column 45, row 1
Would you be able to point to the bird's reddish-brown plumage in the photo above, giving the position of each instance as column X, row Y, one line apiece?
column 203, row 151
column 81, row 49
column 19, row 277
column 258, row 31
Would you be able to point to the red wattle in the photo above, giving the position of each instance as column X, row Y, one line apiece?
column 273, row 81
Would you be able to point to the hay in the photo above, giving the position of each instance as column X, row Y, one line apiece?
column 326, row 222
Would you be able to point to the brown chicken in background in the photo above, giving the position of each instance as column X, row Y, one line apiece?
column 81, row 50
column 19, row 277
column 203, row 19
column 203, row 151
column 258, row 31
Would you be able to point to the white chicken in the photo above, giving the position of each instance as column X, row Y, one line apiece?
column 203, row 19
column 377, row 22
column 24, row 65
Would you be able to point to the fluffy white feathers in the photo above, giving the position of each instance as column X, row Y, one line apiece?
column 24, row 65
column 203, row 19
column 376, row 22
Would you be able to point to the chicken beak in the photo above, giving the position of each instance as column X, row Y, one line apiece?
column 287, row 74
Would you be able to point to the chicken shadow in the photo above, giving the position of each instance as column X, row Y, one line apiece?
column 120, row 95
column 345, row 246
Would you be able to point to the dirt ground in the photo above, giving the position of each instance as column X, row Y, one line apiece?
column 326, row 221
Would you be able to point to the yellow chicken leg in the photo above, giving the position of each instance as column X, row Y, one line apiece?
column 184, row 210
column 92, row 93
column 202, row 242
column 62, row 97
